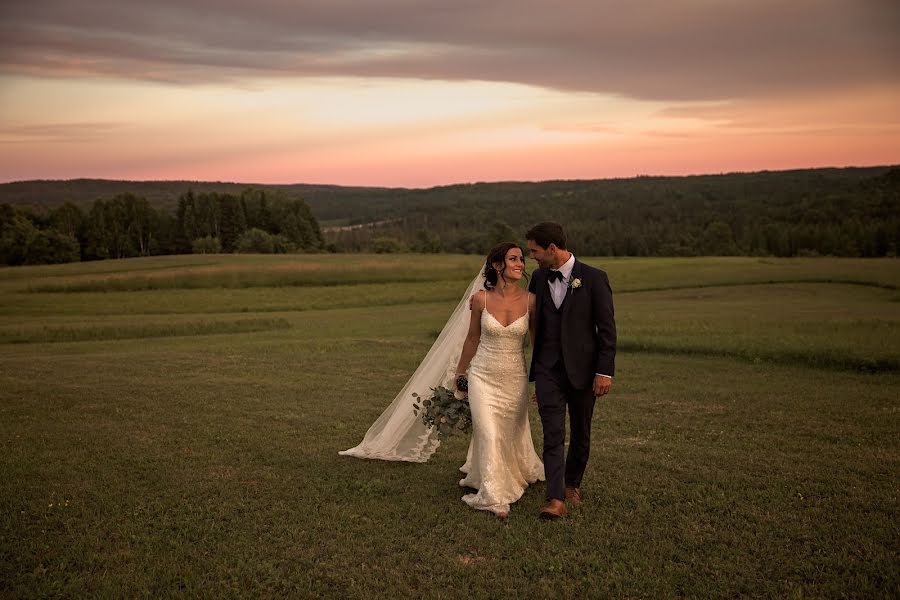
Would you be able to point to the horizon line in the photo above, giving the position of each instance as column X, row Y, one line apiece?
column 459, row 183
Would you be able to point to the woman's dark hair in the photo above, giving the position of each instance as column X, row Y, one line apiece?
column 547, row 233
column 498, row 255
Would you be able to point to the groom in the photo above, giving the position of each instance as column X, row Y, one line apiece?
column 573, row 361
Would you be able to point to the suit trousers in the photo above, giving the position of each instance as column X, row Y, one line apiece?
column 555, row 394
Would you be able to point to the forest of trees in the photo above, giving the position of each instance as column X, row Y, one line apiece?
column 834, row 212
column 127, row 225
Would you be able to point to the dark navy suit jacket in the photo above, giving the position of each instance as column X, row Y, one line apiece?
column 588, row 324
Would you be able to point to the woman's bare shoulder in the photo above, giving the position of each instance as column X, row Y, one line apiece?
column 477, row 301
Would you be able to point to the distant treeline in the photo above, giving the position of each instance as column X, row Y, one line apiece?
column 837, row 212
column 127, row 225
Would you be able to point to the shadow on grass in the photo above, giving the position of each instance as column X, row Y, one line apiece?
column 691, row 286
column 819, row 360
column 148, row 330
column 236, row 280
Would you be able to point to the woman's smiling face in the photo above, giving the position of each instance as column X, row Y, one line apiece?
column 513, row 268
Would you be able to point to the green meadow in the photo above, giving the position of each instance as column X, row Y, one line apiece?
column 170, row 427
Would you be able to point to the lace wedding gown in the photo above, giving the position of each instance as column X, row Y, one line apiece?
column 501, row 461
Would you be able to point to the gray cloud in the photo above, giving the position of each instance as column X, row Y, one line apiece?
column 655, row 49
column 56, row 132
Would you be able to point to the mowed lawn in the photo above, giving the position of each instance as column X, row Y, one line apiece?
column 170, row 427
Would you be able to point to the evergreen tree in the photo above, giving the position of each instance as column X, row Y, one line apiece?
column 232, row 221
column 295, row 222
column 186, row 219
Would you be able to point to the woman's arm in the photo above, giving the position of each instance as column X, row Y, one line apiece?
column 474, row 334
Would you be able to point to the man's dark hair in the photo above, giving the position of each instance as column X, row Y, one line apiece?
column 547, row 233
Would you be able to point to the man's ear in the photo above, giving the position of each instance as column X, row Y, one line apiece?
column 552, row 247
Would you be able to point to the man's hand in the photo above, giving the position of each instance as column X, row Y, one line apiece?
column 602, row 385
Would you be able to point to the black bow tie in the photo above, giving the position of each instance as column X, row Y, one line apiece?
column 554, row 276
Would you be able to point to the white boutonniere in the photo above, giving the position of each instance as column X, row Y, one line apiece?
column 574, row 283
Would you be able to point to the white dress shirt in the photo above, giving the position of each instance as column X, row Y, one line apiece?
column 559, row 288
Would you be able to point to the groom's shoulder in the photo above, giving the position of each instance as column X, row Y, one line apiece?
column 539, row 274
column 586, row 268
column 593, row 272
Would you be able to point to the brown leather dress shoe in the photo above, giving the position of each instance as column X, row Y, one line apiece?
column 554, row 509
column 573, row 496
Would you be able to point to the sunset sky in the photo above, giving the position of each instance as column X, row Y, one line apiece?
column 418, row 93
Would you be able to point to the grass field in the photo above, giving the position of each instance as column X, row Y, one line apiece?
column 170, row 427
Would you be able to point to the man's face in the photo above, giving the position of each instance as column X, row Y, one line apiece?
column 543, row 256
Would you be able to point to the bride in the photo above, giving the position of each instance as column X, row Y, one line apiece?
column 488, row 344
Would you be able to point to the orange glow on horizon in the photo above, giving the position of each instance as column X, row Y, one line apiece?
column 407, row 133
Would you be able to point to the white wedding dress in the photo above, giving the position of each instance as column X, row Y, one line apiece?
column 502, row 460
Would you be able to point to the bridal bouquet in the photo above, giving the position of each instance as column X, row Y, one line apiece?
column 444, row 410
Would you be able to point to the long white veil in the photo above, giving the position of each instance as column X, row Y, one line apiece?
column 400, row 435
